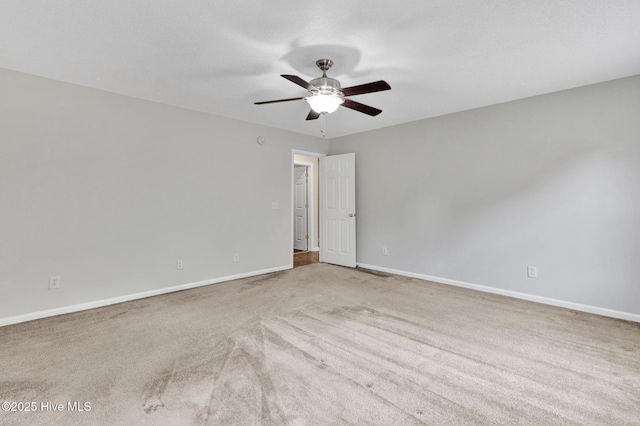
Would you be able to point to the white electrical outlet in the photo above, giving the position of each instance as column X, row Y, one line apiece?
column 54, row 283
column 236, row 257
column 179, row 264
column 532, row 272
column 384, row 251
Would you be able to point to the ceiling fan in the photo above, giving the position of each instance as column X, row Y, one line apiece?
column 327, row 94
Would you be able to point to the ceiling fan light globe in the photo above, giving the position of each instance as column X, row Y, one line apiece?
column 324, row 103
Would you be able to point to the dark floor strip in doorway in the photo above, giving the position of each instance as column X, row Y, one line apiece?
column 305, row 258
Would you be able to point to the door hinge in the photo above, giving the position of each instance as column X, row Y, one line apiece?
column 306, row 175
column 306, row 206
column 306, row 237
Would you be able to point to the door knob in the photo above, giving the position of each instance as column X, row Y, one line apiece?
column 352, row 215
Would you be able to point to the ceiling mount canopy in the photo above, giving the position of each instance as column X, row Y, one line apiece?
column 324, row 65
column 327, row 93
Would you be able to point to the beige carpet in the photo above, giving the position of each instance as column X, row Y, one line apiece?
column 324, row 345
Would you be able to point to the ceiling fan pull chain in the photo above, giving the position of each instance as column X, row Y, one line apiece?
column 322, row 125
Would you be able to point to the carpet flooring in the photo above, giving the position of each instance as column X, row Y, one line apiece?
column 323, row 345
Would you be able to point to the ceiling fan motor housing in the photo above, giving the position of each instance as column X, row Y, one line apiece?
column 327, row 85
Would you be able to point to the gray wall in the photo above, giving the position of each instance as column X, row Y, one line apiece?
column 109, row 192
column 551, row 181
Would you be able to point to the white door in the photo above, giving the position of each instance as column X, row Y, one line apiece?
column 338, row 209
column 300, row 234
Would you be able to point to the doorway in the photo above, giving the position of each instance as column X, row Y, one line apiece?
column 300, row 208
column 305, row 201
column 331, row 215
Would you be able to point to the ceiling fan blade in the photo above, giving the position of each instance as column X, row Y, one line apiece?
column 376, row 86
column 348, row 103
column 313, row 115
column 300, row 82
column 278, row 100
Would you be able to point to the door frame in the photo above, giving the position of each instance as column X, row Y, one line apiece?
column 311, row 195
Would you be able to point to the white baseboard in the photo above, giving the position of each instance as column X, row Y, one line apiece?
column 315, row 249
column 545, row 300
column 126, row 298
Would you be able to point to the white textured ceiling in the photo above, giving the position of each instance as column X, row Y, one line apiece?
column 439, row 56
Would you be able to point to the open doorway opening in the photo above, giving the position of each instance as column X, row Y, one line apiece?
column 305, row 201
column 301, row 228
